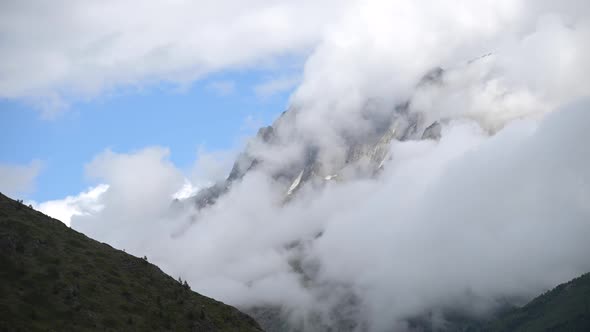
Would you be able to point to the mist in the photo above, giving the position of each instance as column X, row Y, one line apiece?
column 495, row 211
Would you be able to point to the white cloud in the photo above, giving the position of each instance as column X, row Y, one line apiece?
column 108, row 166
column 70, row 49
column 53, row 53
column 141, row 186
column 462, row 223
column 379, row 50
column 85, row 203
column 19, row 179
column 276, row 85
column 187, row 190
column 211, row 166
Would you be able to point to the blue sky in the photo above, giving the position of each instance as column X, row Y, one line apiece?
column 180, row 75
column 215, row 113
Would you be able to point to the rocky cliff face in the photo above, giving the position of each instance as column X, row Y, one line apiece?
column 364, row 155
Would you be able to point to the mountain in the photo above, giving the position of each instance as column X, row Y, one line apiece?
column 565, row 308
column 364, row 151
column 53, row 278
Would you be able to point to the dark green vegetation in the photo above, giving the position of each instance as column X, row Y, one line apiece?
column 565, row 308
column 53, row 278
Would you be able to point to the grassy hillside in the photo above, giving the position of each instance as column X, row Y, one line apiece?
column 53, row 278
column 565, row 308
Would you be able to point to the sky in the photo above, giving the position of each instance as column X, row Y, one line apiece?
column 109, row 111
column 217, row 113
column 81, row 79
column 88, row 76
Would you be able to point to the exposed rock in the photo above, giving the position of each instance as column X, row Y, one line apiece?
column 367, row 153
column 432, row 132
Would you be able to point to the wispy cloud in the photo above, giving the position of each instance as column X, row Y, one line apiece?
column 85, row 203
column 222, row 88
column 19, row 179
column 276, row 85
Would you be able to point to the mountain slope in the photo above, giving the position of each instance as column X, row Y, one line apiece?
column 364, row 151
column 54, row 278
column 565, row 308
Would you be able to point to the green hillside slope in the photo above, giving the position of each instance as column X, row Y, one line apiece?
column 53, row 278
column 565, row 308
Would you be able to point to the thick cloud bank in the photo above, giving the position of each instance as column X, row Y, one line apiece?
column 85, row 203
column 496, row 210
column 465, row 223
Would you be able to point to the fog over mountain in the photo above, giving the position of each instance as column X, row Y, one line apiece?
column 433, row 159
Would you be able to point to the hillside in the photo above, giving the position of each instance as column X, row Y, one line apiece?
column 565, row 308
column 56, row 279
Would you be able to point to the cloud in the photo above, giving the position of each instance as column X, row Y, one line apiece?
column 156, row 180
column 222, row 88
column 89, row 202
column 459, row 224
column 276, row 85
column 79, row 49
column 69, row 50
column 141, row 186
column 85, row 203
column 379, row 50
column 211, row 166
column 19, row 179
column 187, row 190
column 463, row 223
